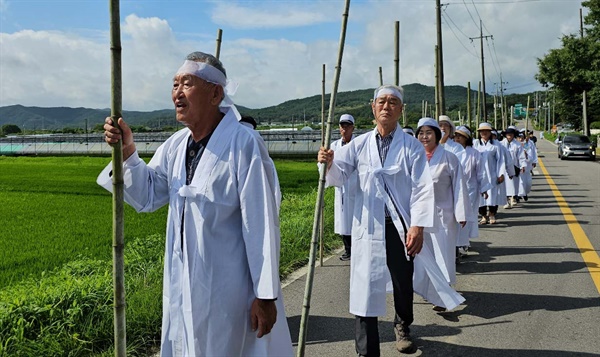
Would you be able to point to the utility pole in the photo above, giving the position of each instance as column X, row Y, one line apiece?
column 441, row 101
column 481, row 37
column 586, row 130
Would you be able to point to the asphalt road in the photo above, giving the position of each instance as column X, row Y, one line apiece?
column 528, row 289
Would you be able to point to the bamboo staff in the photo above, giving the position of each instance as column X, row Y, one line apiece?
column 527, row 115
column 380, row 76
column 320, row 192
column 322, row 217
column 117, row 178
column 397, row 53
column 469, row 105
column 218, row 49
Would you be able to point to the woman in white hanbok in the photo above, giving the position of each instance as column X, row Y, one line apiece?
column 495, row 162
column 452, row 203
column 478, row 182
column 525, row 180
column 515, row 150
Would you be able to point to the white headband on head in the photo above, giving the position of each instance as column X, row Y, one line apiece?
column 212, row 75
column 388, row 91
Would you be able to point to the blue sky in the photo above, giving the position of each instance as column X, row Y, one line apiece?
column 56, row 53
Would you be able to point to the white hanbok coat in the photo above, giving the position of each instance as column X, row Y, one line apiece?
column 230, row 250
column 495, row 161
column 406, row 175
column 344, row 200
column 452, row 206
column 455, row 148
column 525, row 179
column 519, row 161
column 478, row 182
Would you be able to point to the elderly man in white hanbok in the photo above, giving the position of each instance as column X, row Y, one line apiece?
column 525, row 179
column 344, row 195
column 393, row 205
column 221, row 290
column 494, row 159
column 519, row 161
column 478, row 183
column 452, row 204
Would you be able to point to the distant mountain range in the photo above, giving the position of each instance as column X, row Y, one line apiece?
column 304, row 110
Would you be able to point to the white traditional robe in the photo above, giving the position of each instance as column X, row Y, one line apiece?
column 525, row 179
column 455, row 148
column 478, row 182
column 344, row 200
column 230, row 249
column 495, row 161
column 508, row 170
column 519, row 161
column 452, row 206
column 406, row 175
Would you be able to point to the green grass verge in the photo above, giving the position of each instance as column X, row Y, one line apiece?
column 55, row 268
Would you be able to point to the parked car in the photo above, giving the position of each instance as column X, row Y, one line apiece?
column 576, row 145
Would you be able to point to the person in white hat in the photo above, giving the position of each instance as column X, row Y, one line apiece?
column 393, row 206
column 525, row 179
column 478, row 183
column 517, row 156
column 508, row 170
column 451, row 201
column 447, row 127
column 344, row 195
column 488, row 207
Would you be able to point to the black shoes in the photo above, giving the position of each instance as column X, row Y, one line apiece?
column 345, row 257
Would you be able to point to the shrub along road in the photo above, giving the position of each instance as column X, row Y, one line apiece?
column 531, row 282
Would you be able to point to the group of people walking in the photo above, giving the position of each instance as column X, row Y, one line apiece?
column 410, row 201
column 405, row 203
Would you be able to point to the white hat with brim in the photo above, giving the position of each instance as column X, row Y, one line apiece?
column 462, row 130
column 448, row 120
column 485, row 126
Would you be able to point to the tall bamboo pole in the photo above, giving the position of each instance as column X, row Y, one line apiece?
column 322, row 217
column 469, row 105
column 380, row 76
column 320, row 192
column 478, row 116
column 397, row 53
column 437, row 84
column 117, row 179
column 218, row 49
column 527, row 114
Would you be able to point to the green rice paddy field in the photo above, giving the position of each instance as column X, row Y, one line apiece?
column 53, row 212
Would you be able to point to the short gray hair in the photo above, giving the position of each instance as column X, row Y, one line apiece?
column 207, row 58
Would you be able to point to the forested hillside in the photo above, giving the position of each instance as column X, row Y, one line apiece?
column 302, row 111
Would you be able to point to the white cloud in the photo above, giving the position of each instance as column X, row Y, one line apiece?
column 270, row 15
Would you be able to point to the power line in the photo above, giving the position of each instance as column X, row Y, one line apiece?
column 458, row 39
column 469, row 11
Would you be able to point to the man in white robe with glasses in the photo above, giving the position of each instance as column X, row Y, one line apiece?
column 393, row 205
column 221, row 289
